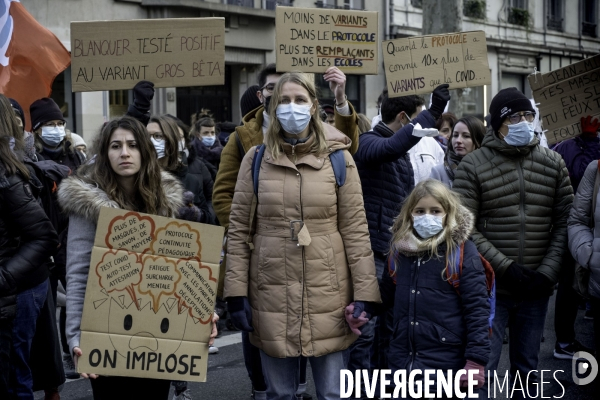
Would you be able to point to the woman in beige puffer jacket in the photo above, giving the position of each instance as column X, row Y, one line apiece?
column 294, row 292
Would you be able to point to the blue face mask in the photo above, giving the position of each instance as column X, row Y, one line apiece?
column 293, row 118
column 520, row 134
column 208, row 140
column 428, row 225
column 53, row 135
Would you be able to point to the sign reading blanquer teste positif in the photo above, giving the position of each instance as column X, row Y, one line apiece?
column 419, row 64
column 150, row 297
column 565, row 95
column 111, row 55
column 312, row 40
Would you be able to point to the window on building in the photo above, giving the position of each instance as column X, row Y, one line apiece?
column 242, row 3
column 518, row 13
column 555, row 15
column 517, row 80
column 118, row 102
column 589, row 23
column 474, row 9
column 326, row 4
column 354, row 4
column 215, row 98
column 271, row 4
column 417, row 3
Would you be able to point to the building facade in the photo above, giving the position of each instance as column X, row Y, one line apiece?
column 523, row 36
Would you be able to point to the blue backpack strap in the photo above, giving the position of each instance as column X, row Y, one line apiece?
column 338, row 163
column 260, row 150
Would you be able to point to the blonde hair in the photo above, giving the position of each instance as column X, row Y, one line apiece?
column 403, row 225
column 274, row 135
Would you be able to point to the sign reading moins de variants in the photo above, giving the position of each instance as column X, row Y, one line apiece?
column 418, row 64
column 150, row 297
column 565, row 95
column 312, row 40
column 112, row 55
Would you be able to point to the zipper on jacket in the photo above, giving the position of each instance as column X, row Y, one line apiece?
column 303, row 266
column 294, row 157
column 521, row 212
column 412, row 329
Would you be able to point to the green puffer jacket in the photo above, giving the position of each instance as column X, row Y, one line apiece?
column 521, row 198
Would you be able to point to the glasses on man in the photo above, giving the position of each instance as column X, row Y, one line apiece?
column 60, row 124
column 269, row 87
column 517, row 117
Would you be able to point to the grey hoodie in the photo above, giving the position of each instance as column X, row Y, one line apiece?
column 83, row 202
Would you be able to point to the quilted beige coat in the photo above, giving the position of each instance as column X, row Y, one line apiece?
column 298, row 293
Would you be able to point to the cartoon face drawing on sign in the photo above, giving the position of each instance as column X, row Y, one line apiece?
column 131, row 328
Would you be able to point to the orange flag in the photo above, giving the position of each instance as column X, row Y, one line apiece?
column 30, row 56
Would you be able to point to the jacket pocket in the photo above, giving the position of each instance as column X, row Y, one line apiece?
column 447, row 337
column 332, row 268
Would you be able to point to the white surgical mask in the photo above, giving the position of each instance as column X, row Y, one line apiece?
column 520, row 134
column 182, row 145
column 159, row 145
column 208, row 140
column 428, row 225
column 53, row 135
column 293, row 118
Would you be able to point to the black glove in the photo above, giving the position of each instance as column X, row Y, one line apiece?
column 518, row 276
column 240, row 312
column 360, row 306
column 143, row 93
column 540, row 286
column 441, row 97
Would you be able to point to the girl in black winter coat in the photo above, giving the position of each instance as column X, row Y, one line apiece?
column 27, row 240
column 435, row 327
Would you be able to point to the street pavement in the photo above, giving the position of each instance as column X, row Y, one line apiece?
column 228, row 380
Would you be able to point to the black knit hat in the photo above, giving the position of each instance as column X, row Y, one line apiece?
column 44, row 110
column 508, row 101
column 249, row 100
column 18, row 109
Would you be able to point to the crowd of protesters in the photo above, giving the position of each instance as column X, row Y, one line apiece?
column 412, row 241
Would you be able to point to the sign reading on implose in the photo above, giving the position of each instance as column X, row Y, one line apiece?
column 565, row 95
column 111, row 55
column 150, row 297
column 312, row 40
column 418, row 64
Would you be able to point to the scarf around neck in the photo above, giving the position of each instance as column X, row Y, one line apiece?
column 451, row 162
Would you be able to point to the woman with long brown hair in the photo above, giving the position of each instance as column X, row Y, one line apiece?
column 289, row 281
column 27, row 240
column 125, row 174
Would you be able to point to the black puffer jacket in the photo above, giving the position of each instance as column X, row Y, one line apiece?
column 27, row 239
column 386, row 175
column 521, row 198
column 434, row 326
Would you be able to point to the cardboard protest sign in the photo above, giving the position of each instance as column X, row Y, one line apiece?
column 150, row 297
column 418, row 64
column 312, row 40
column 565, row 95
column 110, row 55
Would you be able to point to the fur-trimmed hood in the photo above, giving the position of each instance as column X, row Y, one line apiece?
column 77, row 197
column 461, row 230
